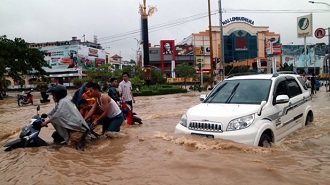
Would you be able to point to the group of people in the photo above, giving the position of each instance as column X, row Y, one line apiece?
column 74, row 120
column 315, row 83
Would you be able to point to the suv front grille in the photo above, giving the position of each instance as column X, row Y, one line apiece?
column 205, row 126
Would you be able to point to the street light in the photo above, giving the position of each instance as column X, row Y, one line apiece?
column 316, row 2
column 221, row 41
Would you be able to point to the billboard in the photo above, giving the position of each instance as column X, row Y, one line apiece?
column 64, row 56
column 305, row 26
column 90, row 58
column 167, row 47
column 294, row 54
column 184, row 50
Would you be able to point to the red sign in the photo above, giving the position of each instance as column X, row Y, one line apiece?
column 277, row 50
column 167, row 48
column 319, row 33
column 204, row 71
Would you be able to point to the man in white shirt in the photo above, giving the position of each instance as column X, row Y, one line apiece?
column 125, row 88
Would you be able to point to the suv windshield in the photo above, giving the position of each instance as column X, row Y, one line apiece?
column 242, row 91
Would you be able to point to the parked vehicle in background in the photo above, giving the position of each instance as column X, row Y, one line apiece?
column 251, row 109
column 25, row 98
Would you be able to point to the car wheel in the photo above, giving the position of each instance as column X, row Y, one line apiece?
column 309, row 119
column 265, row 141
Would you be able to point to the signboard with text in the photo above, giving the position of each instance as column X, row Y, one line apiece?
column 305, row 26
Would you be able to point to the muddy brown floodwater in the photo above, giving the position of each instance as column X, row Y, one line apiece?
column 152, row 154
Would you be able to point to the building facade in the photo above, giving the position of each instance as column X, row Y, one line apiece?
column 68, row 59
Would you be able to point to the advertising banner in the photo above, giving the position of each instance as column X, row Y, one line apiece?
column 167, row 47
column 184, row 50
column 294, row 54
column 90, row 58
column 64, row 56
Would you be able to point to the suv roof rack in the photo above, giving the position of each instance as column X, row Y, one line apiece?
column 242, row 74
column 283, row 72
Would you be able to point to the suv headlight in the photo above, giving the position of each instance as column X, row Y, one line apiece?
column 183, row 120
column 240, row 123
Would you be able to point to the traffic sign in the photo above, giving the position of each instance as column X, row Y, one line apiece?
column 319, row 33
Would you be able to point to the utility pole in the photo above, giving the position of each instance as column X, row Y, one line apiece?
column 144, row 15
column 211, row 45
column 222, row 51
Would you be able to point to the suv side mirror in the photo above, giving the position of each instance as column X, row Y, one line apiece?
column 282, row 99
column 202, row 97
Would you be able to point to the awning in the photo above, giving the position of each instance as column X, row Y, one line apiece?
column 261, row 58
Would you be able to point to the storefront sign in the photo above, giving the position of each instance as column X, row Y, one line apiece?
column 237, row 19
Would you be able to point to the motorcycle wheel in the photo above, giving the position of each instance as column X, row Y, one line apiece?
column 20, row 102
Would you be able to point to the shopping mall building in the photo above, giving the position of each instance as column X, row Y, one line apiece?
column 244, row 44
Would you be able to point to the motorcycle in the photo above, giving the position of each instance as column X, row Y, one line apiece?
column 25, row 98
column 29, row 136
column 130, row 116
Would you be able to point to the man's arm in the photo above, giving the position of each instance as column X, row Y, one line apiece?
column 132, row 93
column 91, row 111
column 105, row 103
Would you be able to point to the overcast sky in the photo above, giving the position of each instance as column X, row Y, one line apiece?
column 117, row 22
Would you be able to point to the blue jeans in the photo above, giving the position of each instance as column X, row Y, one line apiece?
column 113, row 124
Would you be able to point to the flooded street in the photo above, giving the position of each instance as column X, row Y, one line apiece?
column 152, row 154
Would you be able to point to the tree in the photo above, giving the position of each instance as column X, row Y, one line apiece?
column 17, row 60
column 185, row 71
column 101, row 75
column 286, row 67
column 157, row 76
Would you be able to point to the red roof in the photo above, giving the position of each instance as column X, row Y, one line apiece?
column 116, row 56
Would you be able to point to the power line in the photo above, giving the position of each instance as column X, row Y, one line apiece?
column 274, row 11
column 182, row 20
column 119, row 37
column 154, row 28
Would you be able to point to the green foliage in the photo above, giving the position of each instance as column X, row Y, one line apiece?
column 158, row 90
column 41, row 86
column 78, row 82
column 230, row 69
column 185, row 70
column 207, row 78
column 157, row 76
column 136, row 82
column 286, row 67
column 133, row 71
column 101, row 74
column 196, row 87
column 17, row 59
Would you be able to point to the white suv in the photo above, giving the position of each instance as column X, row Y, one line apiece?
column 251, row 109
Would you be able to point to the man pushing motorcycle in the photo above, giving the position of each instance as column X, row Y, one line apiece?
column 111, row 118
column 66, row 119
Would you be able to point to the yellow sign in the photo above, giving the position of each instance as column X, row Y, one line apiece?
column 197, row 51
